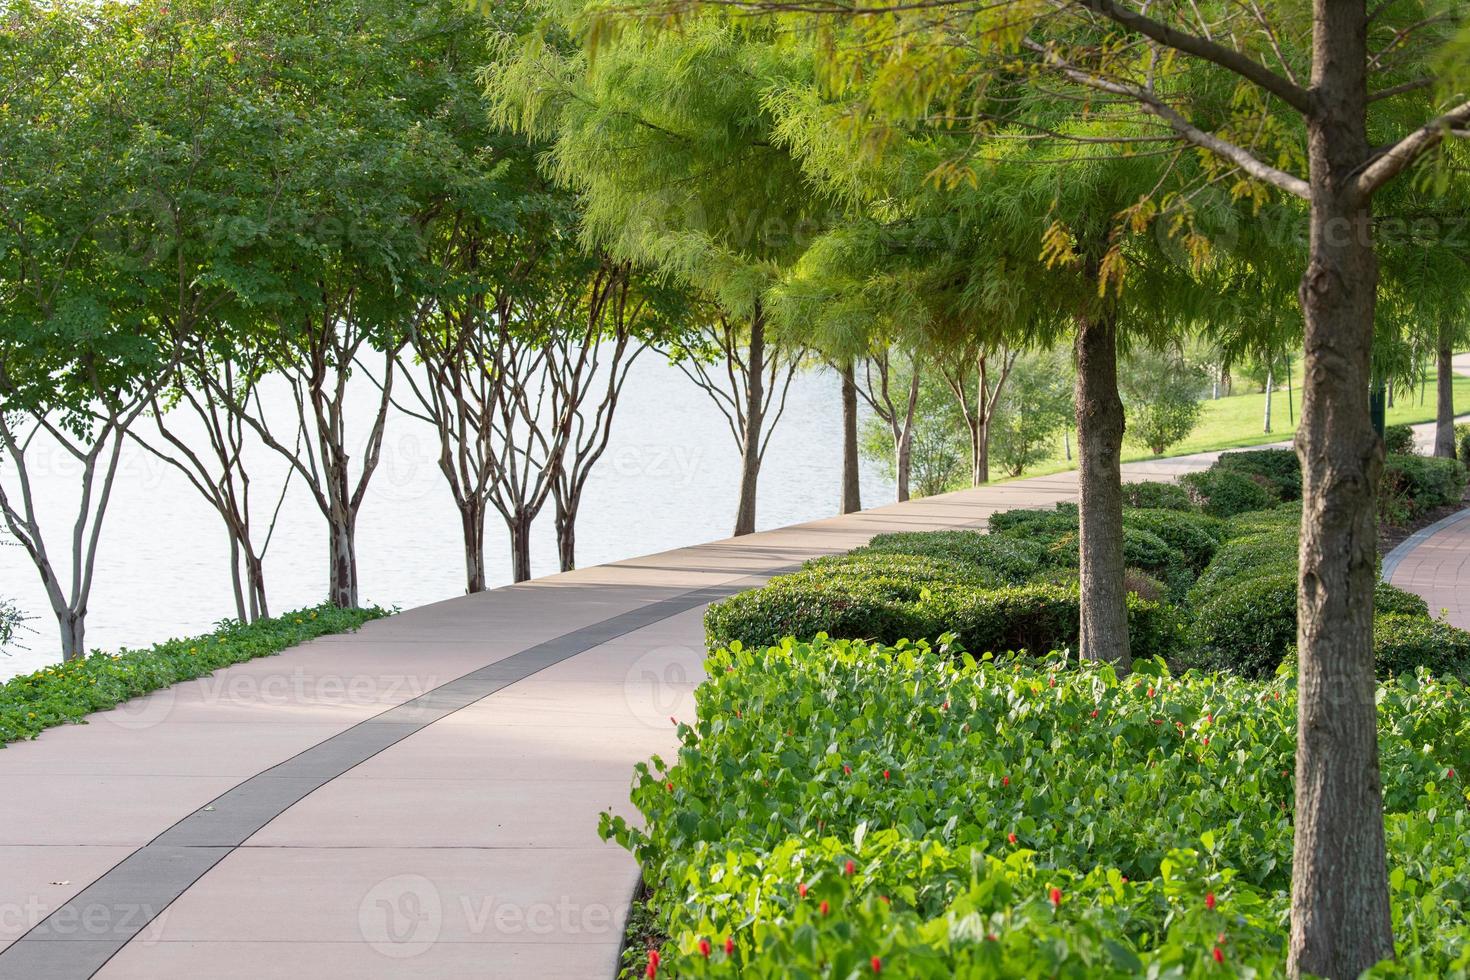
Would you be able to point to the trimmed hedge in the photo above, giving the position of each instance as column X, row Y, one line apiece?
column 1398, row 440
column 1423, row 482
column 1462, row 442
column 1156, row 496
column 1404, row 642
column 1223, row 492
column 1280, row 468
column 1036, row 617
column 1010, row 560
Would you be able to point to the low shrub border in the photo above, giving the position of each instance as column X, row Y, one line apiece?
column 845, row 810
column 67, row 692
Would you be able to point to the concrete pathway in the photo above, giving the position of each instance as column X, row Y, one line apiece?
column 418, row 799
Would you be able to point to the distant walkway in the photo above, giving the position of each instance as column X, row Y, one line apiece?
column 1435, row 563
column 418, row 799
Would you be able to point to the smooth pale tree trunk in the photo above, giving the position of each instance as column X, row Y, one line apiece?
column 852, row 500
column 750, row 439
column 519, row 526
column 472, row 527
column 566, row 539
column 1444, row 389
column 342, row 566
column 1340, row 921
column 1100, row 422
column 1270, row 388
column 905, row 465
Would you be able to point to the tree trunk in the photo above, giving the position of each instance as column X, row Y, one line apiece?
column 852, row 500
column 1100, row 422
column 1270, row 387
column 520, row 547
column 73, row 626
column 1444, row 387
column 472, row 527
column 750, row 439
column 566, row 536
column 1340, row 920
column 255, row 585
column 342, row 569
column 237, row 578
column 905, row 464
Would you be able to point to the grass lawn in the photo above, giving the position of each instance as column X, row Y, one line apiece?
column 1235, row 422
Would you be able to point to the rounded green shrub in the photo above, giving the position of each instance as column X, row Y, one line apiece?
column 1285, row 518
column 1040, row 618
column 1398, row 440
column 1422, row 482
column 1246, row 557
column 1194, row 536
column 1155, row 495
column 1009, row 560
column 1280, row 468
column 1403, row 643
column 804, row 605
column 903, row 572
column 1226, row 492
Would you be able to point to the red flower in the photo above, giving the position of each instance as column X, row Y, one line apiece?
column 1218, row 954
column 1094, row 712
column 885, row 773
column 992, row 937
column 1210, row 719
column 945, row 706
column 824, row 908
column 877, row 965
column 849, row 868
column 1450, row 774
column 1005, row 780
column 1210, row 901
column 729, row 945
column 670, row 785
column 1150, row 692
column 1056, row 896
column 1125, row 879
column 704, row 948
column 801, row 889
column 653, row 958
column 1011, row 837
column 652, row 971
column 1051, row 682
column 1206, row 740
column 884, row 899
column 847, row 770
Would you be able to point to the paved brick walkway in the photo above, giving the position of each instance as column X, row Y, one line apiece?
column 1435, row 563
column 418, row 799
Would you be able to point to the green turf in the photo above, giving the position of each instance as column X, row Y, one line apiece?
column 1236, row 422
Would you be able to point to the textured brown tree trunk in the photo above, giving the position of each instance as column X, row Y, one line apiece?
column 1100, row 422
column 750, row 440
column 1340, row 922
column 1444, row 389
column 852, row 500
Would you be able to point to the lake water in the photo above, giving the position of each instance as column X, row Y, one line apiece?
column 668, row 479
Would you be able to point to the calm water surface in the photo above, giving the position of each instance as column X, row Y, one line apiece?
column 668, row 479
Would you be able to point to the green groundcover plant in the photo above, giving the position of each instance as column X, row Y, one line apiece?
column 846, row 810
column 67, row 692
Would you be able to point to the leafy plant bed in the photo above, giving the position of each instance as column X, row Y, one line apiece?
column 1390, row 536
column 844, row 810
column 67, row 692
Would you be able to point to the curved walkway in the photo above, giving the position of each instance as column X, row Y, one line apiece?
column 1435, row 563
column 418, row 799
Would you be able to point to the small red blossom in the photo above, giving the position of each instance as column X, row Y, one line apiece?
column 1011, row 837
column 849, row 868
column 1125, row 879
column 669, row 785
column 1218, row 954
column 991, row 937
column 824, row 908
column 1205, row 740
column 884, row 900
column 1210, row 901
column 1150, row 692
column 1056, row 896
column 847, row 770
column 704, row 948
column 651, row 971
column 729, row 945
column 1094, row 712
column 1210, row 719
column 885, row 773
column 1450, row 774
column 1051, row 682
column 801, row 889
column 944, row 706
column 653, row 958
column 877, row 965
column 1005, row 780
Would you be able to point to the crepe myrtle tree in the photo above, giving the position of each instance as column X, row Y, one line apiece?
column 1326, row 103
column 79, row 356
